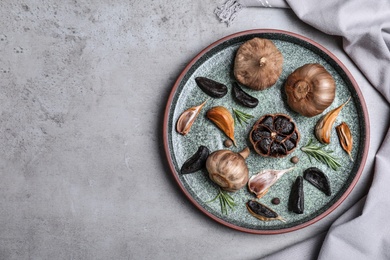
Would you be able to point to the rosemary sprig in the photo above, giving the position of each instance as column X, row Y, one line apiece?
column 321, row 155
column 241, row 116
column 225, row 200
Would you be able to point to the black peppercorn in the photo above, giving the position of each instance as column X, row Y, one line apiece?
column 294, row 159
column 275, row 201
column 228, row 143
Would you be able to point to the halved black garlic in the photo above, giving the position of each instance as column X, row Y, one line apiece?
column 296, row 200
column 242, row 97
column 318, row 179
column 196, row 161
column 211, row 87
column 262, row 212
column 274, row 135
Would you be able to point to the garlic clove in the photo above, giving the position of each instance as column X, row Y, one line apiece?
column 211, row 87
column 262, row 212
column 296, row 200
column 345, row 138
column 187, row 118
column 260, row 183
column 324, row 126
column 318, row 179
column 196, row 162
column 223, row 119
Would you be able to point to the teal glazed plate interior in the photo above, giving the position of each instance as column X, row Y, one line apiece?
column 216, row 62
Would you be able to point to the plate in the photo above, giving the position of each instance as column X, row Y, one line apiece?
column 216, row 62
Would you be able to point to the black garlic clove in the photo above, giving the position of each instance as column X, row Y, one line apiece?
column 262, row 212
column 211, row 87
column 242, row 97
column 318, row 179
column 196, row 161
column 296, row 199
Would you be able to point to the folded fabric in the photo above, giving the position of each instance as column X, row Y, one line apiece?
column 366, row 39
column 229, row 10
column 365, row 30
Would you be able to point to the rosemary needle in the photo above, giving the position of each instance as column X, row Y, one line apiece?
column 225, row 200
column 321, row 155
column 241, row 116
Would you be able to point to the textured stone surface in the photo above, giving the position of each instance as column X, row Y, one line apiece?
column 83, row 86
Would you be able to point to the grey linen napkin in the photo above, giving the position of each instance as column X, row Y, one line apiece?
column 228, row 11
column 362, row 232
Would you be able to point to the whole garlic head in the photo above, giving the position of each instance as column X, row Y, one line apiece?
column 258, row 64
column 310, row 89
column 228, row 169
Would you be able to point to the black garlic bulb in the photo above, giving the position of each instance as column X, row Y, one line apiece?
column 310, row 89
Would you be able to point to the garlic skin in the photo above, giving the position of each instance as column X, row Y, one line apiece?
column 260, row 183
column 310, row 89
column 228, row 169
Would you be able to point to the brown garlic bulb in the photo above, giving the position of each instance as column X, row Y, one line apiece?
column 258, row 64
column 228, row 169
column 310, row 89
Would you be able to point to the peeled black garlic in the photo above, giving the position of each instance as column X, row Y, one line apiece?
column 242, row 97
column 324, row 126
column 197, row 161
column 310, row 89
column 345, row 138
column 296, row 200
column 260, row 183
column 223, row 119
column 210, row 87
column 187, row 118
column 228, row 169
column 318, row 179
column 262, row 212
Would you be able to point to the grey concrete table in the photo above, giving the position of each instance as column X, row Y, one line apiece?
column 83, row 88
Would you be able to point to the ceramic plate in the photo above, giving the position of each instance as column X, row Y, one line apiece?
column 216, row 62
